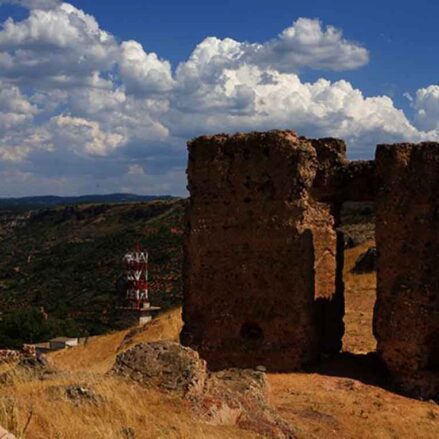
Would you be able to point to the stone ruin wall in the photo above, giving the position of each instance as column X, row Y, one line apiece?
column 406, row 318
column 264, row 260
column 10, row 355
column 245, row 249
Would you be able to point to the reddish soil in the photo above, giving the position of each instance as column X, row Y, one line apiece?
column 348, row 396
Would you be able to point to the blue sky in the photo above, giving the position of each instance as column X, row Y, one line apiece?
column 100, row 96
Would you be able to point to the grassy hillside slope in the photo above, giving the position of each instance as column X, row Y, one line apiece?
column 68, row 259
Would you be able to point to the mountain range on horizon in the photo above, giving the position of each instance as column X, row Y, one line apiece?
column 44, row 201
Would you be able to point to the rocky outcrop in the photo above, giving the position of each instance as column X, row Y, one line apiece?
column 240, row 397
column 406, row 320
column 77, row 394
column 163, row 365
column 229, row 397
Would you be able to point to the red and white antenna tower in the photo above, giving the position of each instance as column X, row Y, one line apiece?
column 136, row 266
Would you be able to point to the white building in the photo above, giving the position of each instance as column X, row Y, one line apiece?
column 63, row 343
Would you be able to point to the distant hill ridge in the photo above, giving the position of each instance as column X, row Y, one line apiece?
column 44, row 201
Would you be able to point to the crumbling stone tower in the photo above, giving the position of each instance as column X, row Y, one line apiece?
column 406, row 318
column 263, row 260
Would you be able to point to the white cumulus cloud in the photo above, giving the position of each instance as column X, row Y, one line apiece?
column 426, row 105
column 143, row 73
column 62, row 46
column 34, row 4
column 85, row 135
column 307, row 44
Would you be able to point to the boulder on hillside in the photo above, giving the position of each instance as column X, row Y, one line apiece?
column 239, row 397
column 164, row 365
column 228, row 397
column 366, row 262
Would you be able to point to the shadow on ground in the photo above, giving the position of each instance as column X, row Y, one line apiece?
column 366, row 368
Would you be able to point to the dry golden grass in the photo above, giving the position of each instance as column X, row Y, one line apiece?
column 99, row 353
column 120, row 407
column 5, row 367
column 360, row 295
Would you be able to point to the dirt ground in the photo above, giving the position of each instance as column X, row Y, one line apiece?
column 349, row 396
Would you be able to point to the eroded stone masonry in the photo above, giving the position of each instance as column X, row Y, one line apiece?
column 264, row 261
column 406, row 319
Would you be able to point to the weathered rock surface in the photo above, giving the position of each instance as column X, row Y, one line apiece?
column 77, row 394
column 356, row 181
column 338, row 179
column 8, row 356
column 4, row 434
column 263, row 260
column 228, row 397
column 406, row 320
column 163, row 365
column 239, row 397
